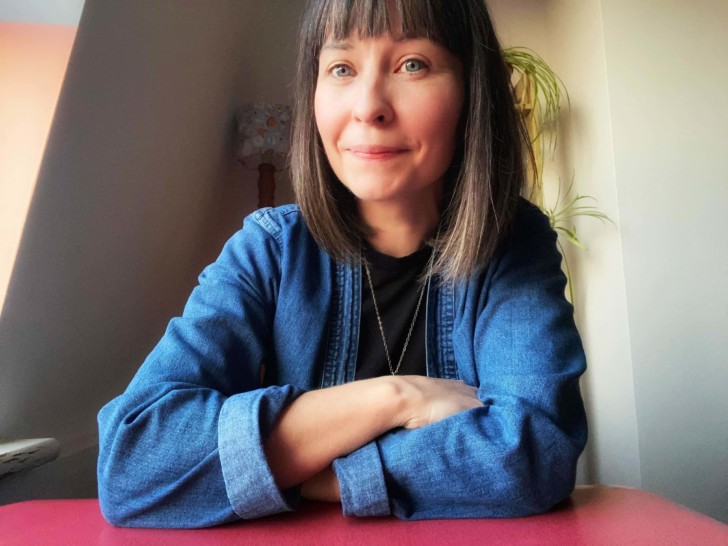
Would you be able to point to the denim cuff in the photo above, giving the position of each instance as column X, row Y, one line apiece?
column 244, row 423
column 361, row 481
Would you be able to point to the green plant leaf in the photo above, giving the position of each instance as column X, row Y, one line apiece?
column 547, row 85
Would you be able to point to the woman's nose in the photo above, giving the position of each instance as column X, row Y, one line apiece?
column 372, row 103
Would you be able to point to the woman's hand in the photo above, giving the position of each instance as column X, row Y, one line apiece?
column 323, row 486
column 429, row 399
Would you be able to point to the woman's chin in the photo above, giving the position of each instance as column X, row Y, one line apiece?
column 371, row 193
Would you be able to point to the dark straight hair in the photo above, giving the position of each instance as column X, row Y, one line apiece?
column 484, row 182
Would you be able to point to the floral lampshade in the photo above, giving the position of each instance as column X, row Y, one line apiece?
column 264, row 132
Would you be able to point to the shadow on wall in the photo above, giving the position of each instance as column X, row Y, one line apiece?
column 131, row 203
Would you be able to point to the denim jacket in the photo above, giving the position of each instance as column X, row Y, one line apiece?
column 275, row 316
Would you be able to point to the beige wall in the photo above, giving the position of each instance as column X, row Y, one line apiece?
column 586, row 155
column 646, row 136
column 667, row 83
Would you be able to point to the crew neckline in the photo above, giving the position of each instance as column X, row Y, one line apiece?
column 386, row 262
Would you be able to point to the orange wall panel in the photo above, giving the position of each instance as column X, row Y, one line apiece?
column 33, row 60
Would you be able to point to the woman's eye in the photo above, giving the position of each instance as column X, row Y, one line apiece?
column 413, row 65
column 341, row 71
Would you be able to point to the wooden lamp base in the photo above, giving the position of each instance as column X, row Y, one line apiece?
column 266, row 185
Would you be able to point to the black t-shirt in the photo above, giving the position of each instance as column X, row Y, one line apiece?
column 397, row 290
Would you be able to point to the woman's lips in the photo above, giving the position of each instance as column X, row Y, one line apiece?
column 375, row 153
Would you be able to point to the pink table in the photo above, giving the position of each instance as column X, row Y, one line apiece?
column 593, row 516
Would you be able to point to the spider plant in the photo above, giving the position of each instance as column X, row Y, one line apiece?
column 538, row 93
column 546, row 84
column 561, row 217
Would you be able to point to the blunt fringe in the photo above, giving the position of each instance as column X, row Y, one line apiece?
column 484, row 182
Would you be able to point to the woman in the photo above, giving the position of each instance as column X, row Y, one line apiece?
column 400, row 342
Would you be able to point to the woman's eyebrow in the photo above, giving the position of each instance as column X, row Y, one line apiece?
column 337, row 46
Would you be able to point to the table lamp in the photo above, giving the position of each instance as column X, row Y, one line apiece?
column 263, row 142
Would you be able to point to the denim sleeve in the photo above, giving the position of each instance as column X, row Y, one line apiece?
column 516, row 455
column 183, row 445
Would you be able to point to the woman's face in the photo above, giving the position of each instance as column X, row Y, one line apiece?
column 387, row 111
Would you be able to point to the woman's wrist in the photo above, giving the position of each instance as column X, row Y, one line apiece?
column 398, row 400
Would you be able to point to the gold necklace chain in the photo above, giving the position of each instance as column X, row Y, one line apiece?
column 394, row 371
